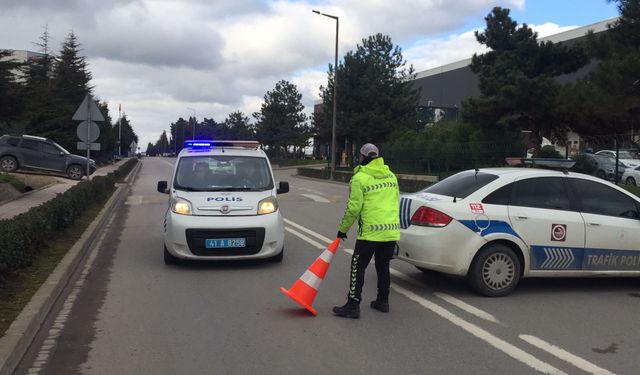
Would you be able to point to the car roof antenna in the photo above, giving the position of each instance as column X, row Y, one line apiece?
column 454, row 199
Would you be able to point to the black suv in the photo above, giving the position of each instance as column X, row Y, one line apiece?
column 30, row 152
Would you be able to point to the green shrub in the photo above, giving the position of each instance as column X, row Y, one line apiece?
column 23, row 236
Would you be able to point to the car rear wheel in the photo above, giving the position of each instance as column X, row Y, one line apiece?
column 495, row 271
column 278, row 258
column 8, row 164
column 75, row 172
column 631, row 181
column 170, row 258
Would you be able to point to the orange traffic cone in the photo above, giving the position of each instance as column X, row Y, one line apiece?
column 305, row 289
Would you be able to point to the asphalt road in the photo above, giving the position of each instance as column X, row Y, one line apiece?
column 128, row 313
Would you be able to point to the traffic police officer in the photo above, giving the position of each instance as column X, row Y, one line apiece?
column 374, row 200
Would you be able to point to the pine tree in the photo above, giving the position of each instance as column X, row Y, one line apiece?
column 11, row 99
column 516, row 80
column 375, row 94
column 281, row 121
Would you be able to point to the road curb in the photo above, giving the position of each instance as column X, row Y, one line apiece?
column 19, row 336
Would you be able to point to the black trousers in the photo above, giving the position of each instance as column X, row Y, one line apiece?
column 362, row 255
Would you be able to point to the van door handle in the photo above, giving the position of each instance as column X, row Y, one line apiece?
column 522, row 217
column 593, row 224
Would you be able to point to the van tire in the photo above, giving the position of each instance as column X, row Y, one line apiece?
column 277, row 258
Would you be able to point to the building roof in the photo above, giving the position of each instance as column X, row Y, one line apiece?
column 556, row 38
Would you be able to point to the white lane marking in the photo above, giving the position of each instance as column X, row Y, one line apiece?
column 580, row 363
column 467, row 307
column 448, row 298
column 305, row 238
column 509, row 349
column 308, row 231
column 480, row 333
column 62, row 317
column 316, row 198
column 311, row 191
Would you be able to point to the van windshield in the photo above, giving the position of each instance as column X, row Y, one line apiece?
column 223, row 173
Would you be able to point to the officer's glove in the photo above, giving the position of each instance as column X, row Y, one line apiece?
column 342, row 235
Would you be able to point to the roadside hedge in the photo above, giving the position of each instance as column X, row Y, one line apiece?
column 24, row 236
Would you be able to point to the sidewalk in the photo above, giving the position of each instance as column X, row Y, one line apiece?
column 32, row 199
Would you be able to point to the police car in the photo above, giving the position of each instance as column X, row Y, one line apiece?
column 495, row 226
column 223, row 204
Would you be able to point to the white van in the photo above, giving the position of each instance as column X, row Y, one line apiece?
column 223, row 204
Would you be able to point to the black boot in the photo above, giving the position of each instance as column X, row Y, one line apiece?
column 380, row 304
column 351, row 309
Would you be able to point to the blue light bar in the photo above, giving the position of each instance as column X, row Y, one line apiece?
column 209, row 144
column 198, row 144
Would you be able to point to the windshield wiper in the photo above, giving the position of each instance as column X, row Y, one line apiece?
column 186, row 188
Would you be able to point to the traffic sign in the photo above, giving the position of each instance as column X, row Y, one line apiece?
column 88, row 110
column 90, row 134
column 92, row 146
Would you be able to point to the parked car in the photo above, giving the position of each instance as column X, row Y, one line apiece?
column 496, row 226
column 631, row 176
column 605, row 167
column 625, row 157
column 38, row 153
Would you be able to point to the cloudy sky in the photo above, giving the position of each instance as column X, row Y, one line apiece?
column 164, row 59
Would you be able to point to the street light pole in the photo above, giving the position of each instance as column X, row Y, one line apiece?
column 193, row 135
column 335, row 96
column 119, row 130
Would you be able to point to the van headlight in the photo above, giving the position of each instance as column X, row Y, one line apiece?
column 181, row 206
column 267, row 206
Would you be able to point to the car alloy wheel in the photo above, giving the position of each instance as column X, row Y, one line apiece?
column 498, row 271
column 495, row 270
column 631, row 181
column 75, row 172
column 8, row 164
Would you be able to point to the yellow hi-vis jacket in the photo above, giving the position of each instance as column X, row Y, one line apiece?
column 374, row 199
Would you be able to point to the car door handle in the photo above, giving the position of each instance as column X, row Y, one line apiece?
column 522, row 217
column 593, row 224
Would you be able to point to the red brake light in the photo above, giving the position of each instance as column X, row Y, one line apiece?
column 428, row 217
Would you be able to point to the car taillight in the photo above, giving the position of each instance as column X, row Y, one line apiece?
column 428, row 217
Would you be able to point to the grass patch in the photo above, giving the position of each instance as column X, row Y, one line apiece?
column 11, row 180
column 17, row 291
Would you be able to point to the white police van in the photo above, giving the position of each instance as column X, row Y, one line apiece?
column 497, row 225
column 223, row 204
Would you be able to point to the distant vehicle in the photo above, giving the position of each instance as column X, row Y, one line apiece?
column 496, row 226
column 605, row 167
column 631, row 176
column 38, row 153
column 223, row 204
column 625, row 157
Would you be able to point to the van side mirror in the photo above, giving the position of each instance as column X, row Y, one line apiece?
column 162, row 187
column 283, row 187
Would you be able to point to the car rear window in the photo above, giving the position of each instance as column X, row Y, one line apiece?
column 462, row 184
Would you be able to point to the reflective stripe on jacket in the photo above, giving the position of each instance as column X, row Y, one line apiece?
column 374, row 200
